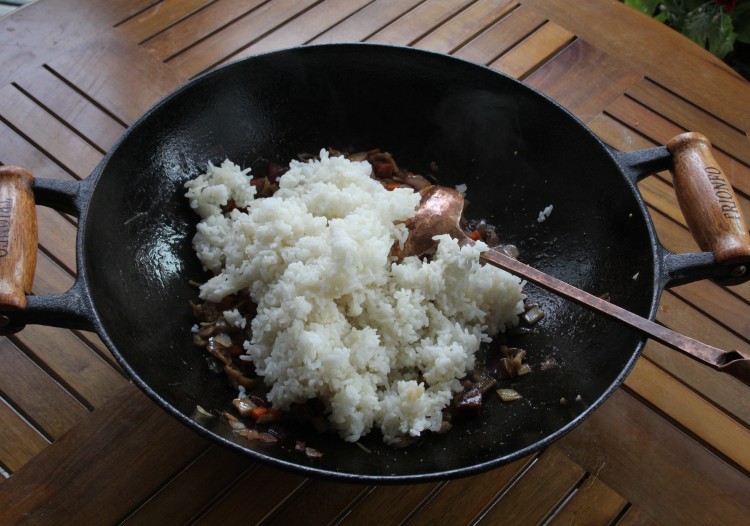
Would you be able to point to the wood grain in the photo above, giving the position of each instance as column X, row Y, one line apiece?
column 460, row 501
column 389, row 504
column 532, row 52
column 234, row 37
column 68, row 149
column 593, row 503
column 38, row 396
column 419, row 21
column 19, row 441
column 707, row 200
column 38, row 33
column 501, row 36
column 604, row 75
column 643, row 43
column 465, row 26
column 246, row 494
column 124, row 96
column 18, row 237
column 175, row 39
column 159, row 17
column 67, row 104
column 57, row 482
column 194, row 489
column 365, row 22
column 302, row 30
column 545, row 486
column 649, row 462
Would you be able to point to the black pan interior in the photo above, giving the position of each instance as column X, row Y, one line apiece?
column 516, row 151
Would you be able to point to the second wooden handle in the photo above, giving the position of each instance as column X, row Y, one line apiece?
column 707, row 200
column 18, row 237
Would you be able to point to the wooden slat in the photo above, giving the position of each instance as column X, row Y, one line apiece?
column 50, row 278
column 662, row 471
column 725, row 392
column 660, row 195
column 465, row 25
column 42, row 30
column 155, row 19
column 634, row 517
column 533, row 51
column 321, row 499
column 212, row 473
column 198, row 26
column 583, row 79
column 94, row 342
column 366, row 21
column 236, row 36
column 691, row 117
column 544, row 486
column 418, row 22
column 718, row 303
column 37, row 395
column 19, row 442
column 57, row 237
column 461, row 500
column 501, row 36
column 691, row 411
column 16, row 150
column 660, row 130
column 80, row 368
column 50, row 135
column 250, row 500
column 123, row 462
column 112, row 56
column 643, row 43
column 593, row 503
column 302, row 30
column 390, row 504
column 67, row 104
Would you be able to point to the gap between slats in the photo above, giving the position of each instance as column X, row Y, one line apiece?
column 191, row 69
column 466, row 25
column 26, row 418
column 686, row 430
column 147, row 25
column 137, row 12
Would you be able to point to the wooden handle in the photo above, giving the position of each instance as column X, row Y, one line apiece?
column 708, row 201
column 18, row 237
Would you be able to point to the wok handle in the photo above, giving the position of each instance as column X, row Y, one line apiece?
column 708, row 202
column 18, row 237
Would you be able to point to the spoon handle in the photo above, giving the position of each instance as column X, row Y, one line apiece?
column 731, row 362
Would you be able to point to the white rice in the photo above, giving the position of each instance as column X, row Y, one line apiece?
column 382, row 344
column 544, row 214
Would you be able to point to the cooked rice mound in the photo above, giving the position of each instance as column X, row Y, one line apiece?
column 382, row 344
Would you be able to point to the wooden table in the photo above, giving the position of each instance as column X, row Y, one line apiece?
column 79, row 444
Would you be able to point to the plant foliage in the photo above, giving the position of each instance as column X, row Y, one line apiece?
column 715, row 25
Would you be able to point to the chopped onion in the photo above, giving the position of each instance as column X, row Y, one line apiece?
column 313, row 453
column 533, row 315
column 244, row 406
column 508, row 395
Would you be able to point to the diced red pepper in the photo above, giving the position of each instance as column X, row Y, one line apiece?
column 476, row 235
column 257, row 412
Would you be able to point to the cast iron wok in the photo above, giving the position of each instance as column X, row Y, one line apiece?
column 517, row 152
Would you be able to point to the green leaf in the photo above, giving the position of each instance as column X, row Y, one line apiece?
column 741, row 21
column 644, row 6
column 711, row 27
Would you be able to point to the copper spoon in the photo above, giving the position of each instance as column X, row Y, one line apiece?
column 440, row 212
